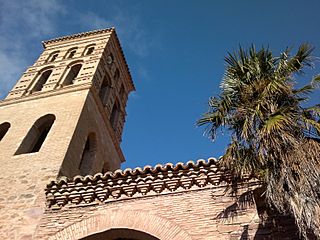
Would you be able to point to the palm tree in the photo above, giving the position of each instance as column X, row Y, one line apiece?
column 273, row 136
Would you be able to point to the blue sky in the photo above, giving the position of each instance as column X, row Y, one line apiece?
column 175, row 51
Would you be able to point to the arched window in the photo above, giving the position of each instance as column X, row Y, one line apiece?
column 88, row 155
column 53, row 56
column 122, row 92
column 72, row 74
column 42, row 80
column 71, row 52
column 105, row 89
column 90, row 50
column 4, row 127
column 116, row 75
column 36, row 135
column 115, row 115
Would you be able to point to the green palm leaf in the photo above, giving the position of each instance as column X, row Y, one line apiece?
column 273, row 136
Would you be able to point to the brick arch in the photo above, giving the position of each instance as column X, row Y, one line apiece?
column 136, row 220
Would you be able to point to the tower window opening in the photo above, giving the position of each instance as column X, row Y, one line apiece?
column 116, row 75
column 72, row 74
column 88, row 155
column 72, row 53
column 53, row 56
column 42, row 80
column 42, row 136
column 4, row 127
column 36, row 136
column 105, row 90
column 115, row 115
column 122, row 92
column 90, row 50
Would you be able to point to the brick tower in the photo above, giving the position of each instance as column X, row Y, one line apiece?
column 64, row 117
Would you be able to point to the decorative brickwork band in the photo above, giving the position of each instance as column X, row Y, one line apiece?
column 137, row 220
column 161, row 179
column 78, row 35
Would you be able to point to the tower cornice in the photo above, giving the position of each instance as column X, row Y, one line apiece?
column 77, row 35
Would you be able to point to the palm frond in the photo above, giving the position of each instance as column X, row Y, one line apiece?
column 276, row 122
column 305, row 90
column 270, row 130
column 315, row 82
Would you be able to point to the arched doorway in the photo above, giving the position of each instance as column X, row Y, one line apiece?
column 111, row 220
column 120, row 234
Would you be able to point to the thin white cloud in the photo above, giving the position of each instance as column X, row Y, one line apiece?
column 9, row 68
column 22, row 23
column 128, row 27
column 33, row 17
column 91, row 20
column 130, row 31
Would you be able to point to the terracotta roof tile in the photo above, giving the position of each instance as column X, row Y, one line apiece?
column 137, row 182
column 136, row 171
column 78, row 35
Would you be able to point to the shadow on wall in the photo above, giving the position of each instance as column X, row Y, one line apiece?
column 271, row 226
column 120, row 234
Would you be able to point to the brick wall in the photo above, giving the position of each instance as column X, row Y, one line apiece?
column 168, row 202
column 206, row 214
column 183, row 216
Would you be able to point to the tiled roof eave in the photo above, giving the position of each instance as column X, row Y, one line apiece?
column 77, row 35
column 138, row 171
column 139, row 182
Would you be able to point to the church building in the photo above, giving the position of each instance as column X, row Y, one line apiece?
column 60, row 133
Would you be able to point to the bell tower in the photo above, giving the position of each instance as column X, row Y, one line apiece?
column 64, row 117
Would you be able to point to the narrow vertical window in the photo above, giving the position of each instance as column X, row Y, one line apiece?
column 4, row 127
column 116, row 75
column 90, row 50
column 53, row 56
column 36, row 135
column 71, row 52
column 42, row 80
column 122, row 92
column 114, row 115
column 88, row 155
column 72, row 74
column 105, row 90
